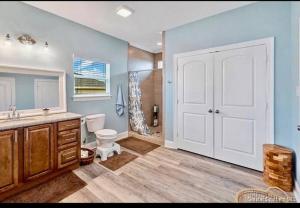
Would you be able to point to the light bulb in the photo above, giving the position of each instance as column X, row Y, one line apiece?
column 7, row 40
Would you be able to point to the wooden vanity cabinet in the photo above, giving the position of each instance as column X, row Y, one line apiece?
column 38, row 151
column 8, row 160
column 34, row 154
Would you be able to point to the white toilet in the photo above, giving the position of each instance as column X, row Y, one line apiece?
column 105, row 138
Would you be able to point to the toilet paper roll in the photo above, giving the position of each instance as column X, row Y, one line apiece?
column 84, row 153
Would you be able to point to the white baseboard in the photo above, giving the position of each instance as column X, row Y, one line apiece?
column 170, row 144
column 93, row 145
column 297, row 191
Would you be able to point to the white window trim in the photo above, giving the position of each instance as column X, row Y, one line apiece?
column 91, row 97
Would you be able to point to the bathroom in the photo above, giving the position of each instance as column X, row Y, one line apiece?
column 127, row 101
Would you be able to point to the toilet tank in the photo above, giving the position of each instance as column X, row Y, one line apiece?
column 95, row 122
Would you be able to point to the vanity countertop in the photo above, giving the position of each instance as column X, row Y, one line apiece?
column 36, row 120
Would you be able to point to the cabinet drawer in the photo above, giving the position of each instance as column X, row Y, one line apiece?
column 67, row 125
column 68, row 156
column 69, row 136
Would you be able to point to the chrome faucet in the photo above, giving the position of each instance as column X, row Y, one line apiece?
column 14, row 114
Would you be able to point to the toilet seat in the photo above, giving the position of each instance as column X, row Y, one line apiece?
column 106, row 134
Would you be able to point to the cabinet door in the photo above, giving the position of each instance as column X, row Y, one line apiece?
column 38, row 151
column 8, row 160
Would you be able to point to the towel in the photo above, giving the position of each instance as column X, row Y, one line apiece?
column 121, row 103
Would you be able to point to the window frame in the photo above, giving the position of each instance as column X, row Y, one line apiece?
column 90, row 97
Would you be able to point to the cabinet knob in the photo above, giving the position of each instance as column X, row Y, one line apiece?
column 217, row 111
column 210, row 110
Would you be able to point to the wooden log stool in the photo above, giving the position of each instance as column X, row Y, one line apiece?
column 278, row 166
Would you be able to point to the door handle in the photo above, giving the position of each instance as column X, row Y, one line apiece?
column 16, row 136
column 210, row 110
column 217, row 111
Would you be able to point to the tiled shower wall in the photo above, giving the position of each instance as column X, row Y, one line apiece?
column 150, row 79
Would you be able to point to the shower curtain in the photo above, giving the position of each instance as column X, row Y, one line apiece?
column 136, row 116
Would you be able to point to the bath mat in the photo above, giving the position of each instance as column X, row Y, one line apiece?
column 115, row 162
column 51, row 191
column 140, row 146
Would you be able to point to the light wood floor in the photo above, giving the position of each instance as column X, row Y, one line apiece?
column 165, row 175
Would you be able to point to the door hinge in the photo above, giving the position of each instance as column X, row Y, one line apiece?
column 177, row 101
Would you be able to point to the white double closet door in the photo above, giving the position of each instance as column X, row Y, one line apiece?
column 222, row 105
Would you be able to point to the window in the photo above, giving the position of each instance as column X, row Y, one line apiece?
column 160, row 64
column 91, row 80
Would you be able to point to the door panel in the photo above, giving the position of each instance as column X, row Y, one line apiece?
column 194, row 81
column 194, row 128
column 238, row 134
column 195, row 98
column 38, row 151
column 46, row 93
column 8, row 160
column 7, row 93
column 240, row 82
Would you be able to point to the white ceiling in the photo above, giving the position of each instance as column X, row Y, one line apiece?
column 141, row 29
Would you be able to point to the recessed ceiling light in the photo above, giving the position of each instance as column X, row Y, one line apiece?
column 124, row 11
column 159, row 43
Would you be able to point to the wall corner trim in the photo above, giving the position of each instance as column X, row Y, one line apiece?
column 297, row 191
column 170, row 144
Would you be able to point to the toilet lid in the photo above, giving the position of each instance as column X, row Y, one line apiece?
column 106, row 133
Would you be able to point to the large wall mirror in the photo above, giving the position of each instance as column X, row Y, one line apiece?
column 32, row 90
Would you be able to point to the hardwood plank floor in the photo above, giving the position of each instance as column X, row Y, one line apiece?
column 165, row 175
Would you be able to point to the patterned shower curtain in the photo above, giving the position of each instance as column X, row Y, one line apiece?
column 136, row 116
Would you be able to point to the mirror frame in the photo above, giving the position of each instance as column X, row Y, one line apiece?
column 44, row 72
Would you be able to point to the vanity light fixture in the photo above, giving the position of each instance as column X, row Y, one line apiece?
column 26, row 40
column 124, row 11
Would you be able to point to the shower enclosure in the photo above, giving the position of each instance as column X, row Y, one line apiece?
column 145, row 94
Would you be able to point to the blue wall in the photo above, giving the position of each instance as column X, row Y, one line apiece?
column 259, row 20
column 295, row 15
column 65, row 38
